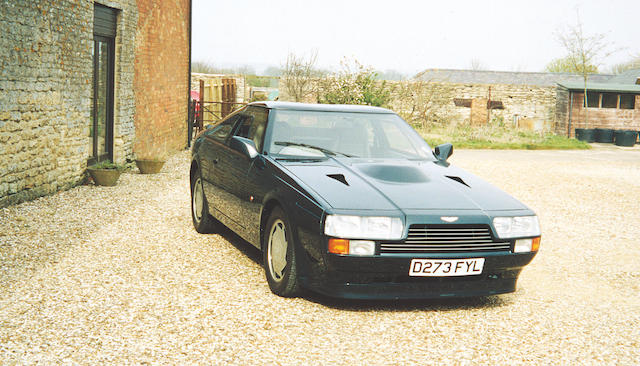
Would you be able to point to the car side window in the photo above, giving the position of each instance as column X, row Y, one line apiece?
column 221, row 132
column 253, row 126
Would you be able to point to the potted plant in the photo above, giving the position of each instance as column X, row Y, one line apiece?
column 151, row 159
column 149, row 165
column 105, row 173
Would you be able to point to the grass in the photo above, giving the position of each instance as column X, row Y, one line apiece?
column 497, row 137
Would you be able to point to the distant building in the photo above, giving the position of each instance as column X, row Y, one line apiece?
column 504, row 77
column 611, row 105
column 540, row 100
column 83, row 81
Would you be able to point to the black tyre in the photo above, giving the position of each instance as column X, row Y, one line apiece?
column 202, row 221
column 279, row 255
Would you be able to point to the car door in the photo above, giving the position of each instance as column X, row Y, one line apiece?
column 244, row 184
column 214, row 148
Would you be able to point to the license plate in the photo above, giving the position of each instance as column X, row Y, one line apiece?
column 446, row 267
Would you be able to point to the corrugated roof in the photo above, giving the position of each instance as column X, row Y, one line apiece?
column 627, row 77
column 504, row 77
column 603, row 87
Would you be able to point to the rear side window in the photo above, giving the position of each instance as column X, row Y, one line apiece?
column 253, row 126
column 222, row 131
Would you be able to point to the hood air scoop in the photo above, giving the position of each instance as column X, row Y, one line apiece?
column 457, row 179
column 394, row 173
column 339, row 177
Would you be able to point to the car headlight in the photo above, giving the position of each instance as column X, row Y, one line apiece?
column 516, row 227
column 363, row 227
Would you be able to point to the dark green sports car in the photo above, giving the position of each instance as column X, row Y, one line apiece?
column 350, row 201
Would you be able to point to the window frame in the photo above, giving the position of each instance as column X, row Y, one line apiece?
column 608, row 96
column 632, row 98
column 588, row 101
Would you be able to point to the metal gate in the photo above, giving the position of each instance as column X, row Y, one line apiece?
column 217, row 99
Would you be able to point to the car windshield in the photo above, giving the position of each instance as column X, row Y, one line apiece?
column 345, row 134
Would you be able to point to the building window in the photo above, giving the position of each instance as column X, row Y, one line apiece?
column 627, row 101
column 593, row 99
column 609, row 100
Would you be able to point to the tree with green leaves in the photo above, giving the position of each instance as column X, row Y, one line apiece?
column 565, row 64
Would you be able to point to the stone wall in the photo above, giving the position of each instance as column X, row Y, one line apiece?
column 534, row 104
column 46, row 88
column 124, row 132
column 562, row 111
column 45, row 96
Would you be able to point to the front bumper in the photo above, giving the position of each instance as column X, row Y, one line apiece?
column 387, row 277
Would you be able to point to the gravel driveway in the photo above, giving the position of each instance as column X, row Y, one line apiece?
column 118, row 275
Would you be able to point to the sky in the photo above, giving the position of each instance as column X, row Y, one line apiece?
column 406, row 36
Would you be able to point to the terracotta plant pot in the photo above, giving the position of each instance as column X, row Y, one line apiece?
column 104, row 177
column 148, row 166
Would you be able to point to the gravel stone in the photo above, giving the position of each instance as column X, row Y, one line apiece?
column 119, row 275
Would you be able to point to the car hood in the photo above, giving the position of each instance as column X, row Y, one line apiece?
column 391, row 184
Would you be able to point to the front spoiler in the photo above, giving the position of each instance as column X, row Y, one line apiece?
column 385, row 278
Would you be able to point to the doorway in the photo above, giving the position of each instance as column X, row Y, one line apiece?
column 101, row 128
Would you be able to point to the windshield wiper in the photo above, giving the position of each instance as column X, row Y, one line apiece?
column 322, row 149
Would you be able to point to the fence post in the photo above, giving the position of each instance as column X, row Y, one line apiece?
column 200, row 124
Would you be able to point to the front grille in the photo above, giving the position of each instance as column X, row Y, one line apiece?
column 446, row 238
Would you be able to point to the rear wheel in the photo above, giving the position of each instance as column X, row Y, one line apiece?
column 202, row 221
column 279, row 255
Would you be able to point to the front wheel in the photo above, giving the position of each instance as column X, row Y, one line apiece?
column 279, row 255
column 202, row 221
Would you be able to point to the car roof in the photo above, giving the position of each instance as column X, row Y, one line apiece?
column 322, row 107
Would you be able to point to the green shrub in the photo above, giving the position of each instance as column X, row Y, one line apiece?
column 107, row 164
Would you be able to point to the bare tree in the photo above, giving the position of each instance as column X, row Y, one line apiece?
column 421, row 102
column 633, row 63
column 298, row 74
column 477, row 65
column 583, row 53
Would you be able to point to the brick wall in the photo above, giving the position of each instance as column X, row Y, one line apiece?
column 161, row 72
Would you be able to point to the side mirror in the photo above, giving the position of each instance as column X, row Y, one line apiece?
column 244, row 146
column 443, row 152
